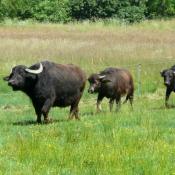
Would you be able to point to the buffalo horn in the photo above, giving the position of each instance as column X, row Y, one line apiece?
column 102, row 76
column 35, row 71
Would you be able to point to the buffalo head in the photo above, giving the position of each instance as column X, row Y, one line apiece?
column 21, row 76
column 95, row 81
column 168, row 75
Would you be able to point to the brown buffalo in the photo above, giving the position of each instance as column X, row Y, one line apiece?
column 112, row 83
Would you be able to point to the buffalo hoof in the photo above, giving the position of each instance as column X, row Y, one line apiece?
column 167, row 106
column 48, row 120
column 98, row 111
column 38, row 121
column 77, row 118
column 72, row 117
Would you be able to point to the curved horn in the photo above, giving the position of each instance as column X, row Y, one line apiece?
column 35, row 71
column 102, row 76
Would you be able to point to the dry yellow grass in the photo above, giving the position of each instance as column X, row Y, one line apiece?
column 87, row 44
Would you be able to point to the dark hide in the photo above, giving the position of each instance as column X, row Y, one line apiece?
column 112, row 83
column 169, row 82
column 57, row 85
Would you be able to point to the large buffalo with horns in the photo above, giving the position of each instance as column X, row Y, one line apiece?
column 49, row 84
column 112, row 83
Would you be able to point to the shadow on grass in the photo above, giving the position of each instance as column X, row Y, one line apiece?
column 32, row 122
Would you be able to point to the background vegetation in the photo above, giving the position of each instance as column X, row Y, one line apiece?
column 127, row 142
column 70, row 10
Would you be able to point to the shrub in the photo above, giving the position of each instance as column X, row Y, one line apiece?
column 160, row 8
column 53, row 11
column 20, row 9
column 83, row 9
column 66, row 10
column 1, row 12
column 131, row 14
column 128, row 10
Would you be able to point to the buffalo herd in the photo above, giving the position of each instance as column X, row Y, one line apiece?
column 49, row 84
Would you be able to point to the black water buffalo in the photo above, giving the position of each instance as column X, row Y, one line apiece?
column 169, row 81
column 112, row 83
column 49, row 84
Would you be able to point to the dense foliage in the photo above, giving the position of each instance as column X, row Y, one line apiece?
column 67, row 10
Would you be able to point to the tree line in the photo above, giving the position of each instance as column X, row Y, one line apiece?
column 71, row 10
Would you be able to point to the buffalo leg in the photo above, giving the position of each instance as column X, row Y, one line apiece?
column 127, row 97
column 38, row 118
column 168, row 92
column 38, row 112
column 45, row 109
column 74, row 112
column 118, row 103
column 111, row 102
column 99, row 100
column 131, row 97
column 74, row 107
column 46, row 118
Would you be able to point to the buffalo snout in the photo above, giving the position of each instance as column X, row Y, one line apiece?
column 6, row 78
column 12, row 82
column 91, row 90
column 167, row 83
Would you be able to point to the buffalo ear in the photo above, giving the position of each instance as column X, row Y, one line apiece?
column 6, row 78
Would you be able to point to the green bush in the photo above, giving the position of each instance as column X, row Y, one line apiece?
column 53, row 11
column 47, row 10
column 160, row 8
column 1, row 12
column 131, row 14
column 107, row 8
column 21, row 9
column 127, row 10
column 83, row 9
column 66, row 10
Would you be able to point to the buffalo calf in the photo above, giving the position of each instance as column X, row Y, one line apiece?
column 112, row 83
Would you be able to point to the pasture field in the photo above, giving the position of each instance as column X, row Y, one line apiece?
column 128, row 142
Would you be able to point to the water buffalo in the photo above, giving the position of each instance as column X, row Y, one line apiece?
column 169, row 81
column 49, row 84
column 112, row 83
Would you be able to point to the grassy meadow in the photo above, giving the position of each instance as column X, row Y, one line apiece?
column 128, row 142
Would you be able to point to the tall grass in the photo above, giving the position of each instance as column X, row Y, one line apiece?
column 128, row 142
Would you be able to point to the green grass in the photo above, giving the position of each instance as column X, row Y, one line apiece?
column 128, row 142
